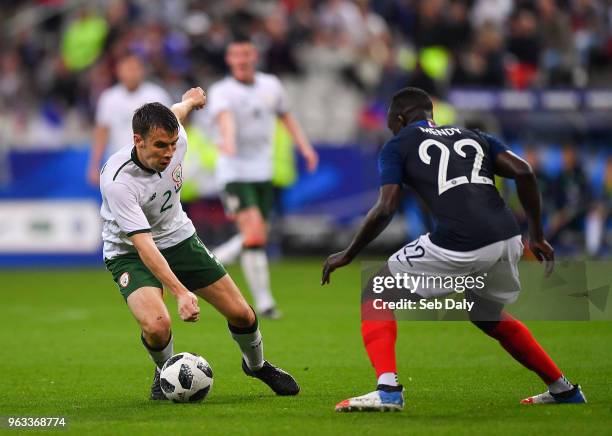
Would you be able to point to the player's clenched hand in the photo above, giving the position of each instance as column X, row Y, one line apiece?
column 93, row 177
column 544, row 253
column 188, row 307
column 227, row 148
column 333, row 262
column 312, row 159
column 196, row 96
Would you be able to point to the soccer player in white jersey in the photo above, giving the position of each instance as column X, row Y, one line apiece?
column 245, row 107
column 115, row 108
column 150, row 244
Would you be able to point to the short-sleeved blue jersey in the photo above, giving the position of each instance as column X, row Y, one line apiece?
column 451, row 168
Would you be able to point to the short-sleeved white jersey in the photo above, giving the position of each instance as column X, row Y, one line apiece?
column 116, row 107
column 137, row 199
column 255, row 108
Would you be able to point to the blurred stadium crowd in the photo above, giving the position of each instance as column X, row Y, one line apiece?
column 56, row 56
column 340, row 61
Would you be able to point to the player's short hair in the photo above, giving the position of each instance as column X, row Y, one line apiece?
column 127, row 55
column 241, row 39
column 151, row 115
column 411, row 99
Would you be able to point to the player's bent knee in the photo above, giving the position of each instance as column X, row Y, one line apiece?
column 254, row 240
column 253, row 228
column 157, row 329
column 249, row 218
column 254, row 237
column 242, row 317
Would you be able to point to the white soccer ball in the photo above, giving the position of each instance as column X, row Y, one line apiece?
column 186, row 378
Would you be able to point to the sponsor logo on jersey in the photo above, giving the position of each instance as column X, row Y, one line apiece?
column 124, row 279
column 177, row 177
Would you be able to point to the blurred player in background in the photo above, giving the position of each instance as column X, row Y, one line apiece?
column 475, row 234
column 150, row 243
column 245, row 107
column 115, row 109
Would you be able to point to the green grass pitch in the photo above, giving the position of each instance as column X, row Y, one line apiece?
column 71, row 348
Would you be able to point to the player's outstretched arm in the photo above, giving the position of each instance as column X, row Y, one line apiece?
column 509, row 165
column 157, row 264
column 100, row 138
column 194, row 98
column 227, row 129
column 377, row 219
column 303, row 144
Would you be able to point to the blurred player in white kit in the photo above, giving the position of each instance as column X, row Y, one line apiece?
column 245, row 107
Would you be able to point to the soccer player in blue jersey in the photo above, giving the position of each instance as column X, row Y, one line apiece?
column 452, row 169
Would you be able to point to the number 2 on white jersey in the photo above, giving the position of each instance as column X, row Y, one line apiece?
column 444, row 184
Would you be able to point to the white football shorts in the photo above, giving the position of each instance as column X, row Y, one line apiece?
column 494, row 267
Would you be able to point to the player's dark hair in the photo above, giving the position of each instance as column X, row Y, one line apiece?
column 411, row 99
column 151, row 115
column 128, row 55
column 412, row 103
column 241, row 38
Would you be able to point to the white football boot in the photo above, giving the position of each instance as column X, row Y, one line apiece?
column 573, row 396
column 383, row 399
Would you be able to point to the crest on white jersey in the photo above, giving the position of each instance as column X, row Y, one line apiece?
column 177, row 177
